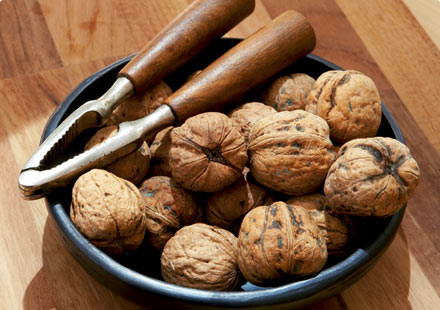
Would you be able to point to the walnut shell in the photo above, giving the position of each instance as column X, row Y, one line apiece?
column 278, row 241
column 247, row 114
column 201, row 256
column 227, row 207
column 290, row 152
column 168, row 207
column 141, row 105
column 109, row 211
column 207, row 153
column 288, row 92
column 160, row 153
column 133, row 167
column 350, row 103
column 371, row 177
column 336, row 228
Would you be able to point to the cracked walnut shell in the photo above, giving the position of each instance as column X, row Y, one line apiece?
column 208, row 152
column 160, row 153
column 337, row 228
column 201, row 256
column 109, row 211
column 350, row 103
column 290, row 152
column 371, row 177
column 168, row 207
column 278, row 241
column 133, row 167
column 288, row 92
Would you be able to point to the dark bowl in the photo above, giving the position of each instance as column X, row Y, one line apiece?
column 136, row 275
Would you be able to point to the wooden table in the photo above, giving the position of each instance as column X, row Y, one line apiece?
column 48, row 47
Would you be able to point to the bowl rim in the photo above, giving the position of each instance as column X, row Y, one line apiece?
column 360, row 260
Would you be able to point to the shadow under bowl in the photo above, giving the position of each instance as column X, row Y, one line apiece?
column 136, row 276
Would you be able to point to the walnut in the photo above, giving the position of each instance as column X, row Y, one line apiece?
column 140, row 105
column 109, row 211
column 160, row 149
column 336, row 228
column 290, row 152
column 207, row 153
column 288, row 92
column 371, row 177
column 203, row 257
column 168, row 207
column 278, row 241
column 133, row 167
column 227, row 207
column 350, row 103
column 247, row 114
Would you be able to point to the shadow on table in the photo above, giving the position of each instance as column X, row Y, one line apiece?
column 61, row 283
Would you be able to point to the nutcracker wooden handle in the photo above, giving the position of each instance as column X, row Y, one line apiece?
column 269, row 50
column 190, row 32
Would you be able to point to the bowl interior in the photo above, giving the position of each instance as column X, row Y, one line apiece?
column 140, row 269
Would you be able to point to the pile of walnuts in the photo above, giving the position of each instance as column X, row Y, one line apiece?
column 266, row 191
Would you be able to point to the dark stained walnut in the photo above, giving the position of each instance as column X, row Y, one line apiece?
column 168, row 207
column 336, row 228
column 133, row 167
column 278, row 241
column 247, row 114
column 227, row 207
column 371, row 177
column 288, row 92
column 109, row 211
column 207, row 153
column 201, row 256
column 350, row 103
column 160, row 153
column 290, row 152
column 141, row 105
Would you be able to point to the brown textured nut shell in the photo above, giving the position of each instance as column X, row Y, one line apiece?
column 207, row 153
column 133, row 167
column 247, row 114
column 371, row 177
column 290, row 152
column 288, row 92
column 278, row 241
column 160, row 153
column 336, row 228
column 109, row 211
column 141, row 105
column 201, row 256
column 350, row 103
column 168, row 207
column 227, row 207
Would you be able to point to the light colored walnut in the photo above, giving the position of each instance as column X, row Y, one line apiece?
column 247, row 114
column 288, row 92
column 227, row 207
column 168, row 207
column 350, row 103
column 201, row 256
column 278, row 241
column 109, row 211
column 160, row 153
column 371, row 177
column 207, row 153
column 290, row 152
column 133, row 167
column 138, row 106
column 336, row 228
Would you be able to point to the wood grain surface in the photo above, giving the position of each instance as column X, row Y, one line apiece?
column 48, row 47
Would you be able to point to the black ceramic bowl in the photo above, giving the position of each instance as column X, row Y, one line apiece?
column 137, row 275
